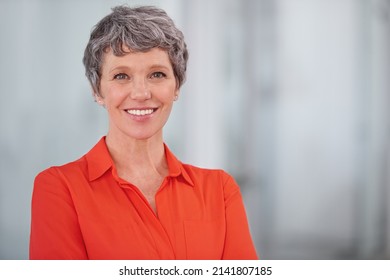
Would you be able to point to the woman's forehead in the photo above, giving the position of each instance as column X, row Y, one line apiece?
column 137, row 59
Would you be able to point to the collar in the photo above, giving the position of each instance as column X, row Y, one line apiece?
column 99, row 161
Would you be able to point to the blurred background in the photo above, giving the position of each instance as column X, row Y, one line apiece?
column 292, row 97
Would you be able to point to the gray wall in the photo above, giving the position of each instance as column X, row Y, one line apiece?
column 289, row 96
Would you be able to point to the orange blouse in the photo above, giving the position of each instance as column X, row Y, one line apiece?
column 83, row 210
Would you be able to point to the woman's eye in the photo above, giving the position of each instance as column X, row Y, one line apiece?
column 120, row 76
column 158, row 75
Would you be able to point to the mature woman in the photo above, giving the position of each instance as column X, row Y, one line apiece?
column 129, row 197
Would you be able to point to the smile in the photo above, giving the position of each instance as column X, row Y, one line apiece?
column 143, row 112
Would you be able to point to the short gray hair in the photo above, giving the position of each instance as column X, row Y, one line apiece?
column 139, row 29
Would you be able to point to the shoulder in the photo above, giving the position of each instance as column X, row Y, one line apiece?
column 207, row 173
column 60, row 173
column 95, row 159
column 211, row 178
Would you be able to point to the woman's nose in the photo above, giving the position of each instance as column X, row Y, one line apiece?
column 140, row 90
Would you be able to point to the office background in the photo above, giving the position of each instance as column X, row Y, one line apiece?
column 292, row 97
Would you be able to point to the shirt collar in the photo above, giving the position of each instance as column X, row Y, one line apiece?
column 175, row 167
column 99, row 162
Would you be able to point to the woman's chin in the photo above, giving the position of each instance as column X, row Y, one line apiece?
column 142, row 135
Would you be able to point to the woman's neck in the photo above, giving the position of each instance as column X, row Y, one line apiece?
column 137, row 158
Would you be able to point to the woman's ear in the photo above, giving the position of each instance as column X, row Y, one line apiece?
column 176, row 96
column 99, row 99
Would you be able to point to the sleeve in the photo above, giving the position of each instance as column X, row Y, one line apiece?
column 238, row 240
column 55, row 231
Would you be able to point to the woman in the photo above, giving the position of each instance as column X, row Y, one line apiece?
column 129, row 197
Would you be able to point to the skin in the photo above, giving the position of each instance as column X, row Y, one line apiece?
column 138, row 81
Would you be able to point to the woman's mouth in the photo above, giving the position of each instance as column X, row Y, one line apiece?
column 140, row 112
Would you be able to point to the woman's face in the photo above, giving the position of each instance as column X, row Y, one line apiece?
column 138, row 90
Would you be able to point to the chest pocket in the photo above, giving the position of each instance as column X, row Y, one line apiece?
column 204, row 239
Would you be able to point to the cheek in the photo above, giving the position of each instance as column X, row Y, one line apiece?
column 168, row 94
column 113, row 95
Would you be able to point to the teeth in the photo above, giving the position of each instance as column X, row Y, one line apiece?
column 140, row 112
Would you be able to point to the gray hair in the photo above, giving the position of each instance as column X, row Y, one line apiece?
column 139, row 29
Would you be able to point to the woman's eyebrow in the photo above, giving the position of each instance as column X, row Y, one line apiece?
column 153, row 66
column 125, row 67
column 118, row 67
